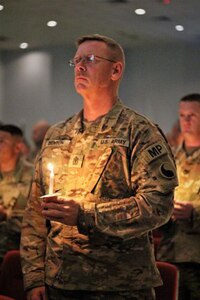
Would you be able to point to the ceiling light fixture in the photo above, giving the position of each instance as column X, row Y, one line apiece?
column 140, row 11
column 52, row 23
column 1, row 7
column 23, row 45
column 179, row 27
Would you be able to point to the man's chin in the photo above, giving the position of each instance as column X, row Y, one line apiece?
column 187, row 132
column 80, row 88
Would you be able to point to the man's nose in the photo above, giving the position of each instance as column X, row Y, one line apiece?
column 80, row 66
column 187, row 118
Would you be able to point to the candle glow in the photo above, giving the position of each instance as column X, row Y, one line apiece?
column 51, row 178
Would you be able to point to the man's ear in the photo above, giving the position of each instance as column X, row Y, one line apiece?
column 117, row 71
column 18, row 147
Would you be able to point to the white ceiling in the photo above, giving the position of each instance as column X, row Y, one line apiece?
column 25, row 21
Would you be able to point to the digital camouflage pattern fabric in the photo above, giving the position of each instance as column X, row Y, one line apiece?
column 14, row 190
column 55, row 294
column 181, row 242
column 121, row 171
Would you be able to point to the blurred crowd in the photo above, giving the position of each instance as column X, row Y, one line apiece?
column 16, row 172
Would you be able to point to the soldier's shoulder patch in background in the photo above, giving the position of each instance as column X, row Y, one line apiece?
column 154, row 151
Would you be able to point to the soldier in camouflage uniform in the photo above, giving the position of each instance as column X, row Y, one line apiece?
column 181, row 240
column 38, row 133
column 15, row 180
column 115, row 176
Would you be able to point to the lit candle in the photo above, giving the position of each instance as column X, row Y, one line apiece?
column 51, row 178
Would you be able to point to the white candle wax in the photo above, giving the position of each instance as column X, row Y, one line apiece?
column 51, row 178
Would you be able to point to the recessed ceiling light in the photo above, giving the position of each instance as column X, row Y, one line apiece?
column 51, row 23
column 1, row 7
column 140, row 11
column 179, row 27
column 23, row 45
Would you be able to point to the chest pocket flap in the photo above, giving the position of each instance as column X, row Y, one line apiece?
column 94, row 173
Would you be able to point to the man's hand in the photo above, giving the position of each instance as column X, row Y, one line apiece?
column 182, row 210
column 60, row 209
column 37, row 293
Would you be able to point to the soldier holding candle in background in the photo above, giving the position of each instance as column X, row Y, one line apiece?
column 181, row 235
column 15, row 179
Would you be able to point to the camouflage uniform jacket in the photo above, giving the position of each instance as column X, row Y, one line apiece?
column 14, row 190
column 181, row 241
column 121, row 171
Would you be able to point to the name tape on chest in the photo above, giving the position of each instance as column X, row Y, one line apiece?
column 114, row 141
column 106, row 141
column 154, row 151
column 60, row 143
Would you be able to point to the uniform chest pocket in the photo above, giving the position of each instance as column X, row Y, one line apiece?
column 94, row 164
column 77, row 172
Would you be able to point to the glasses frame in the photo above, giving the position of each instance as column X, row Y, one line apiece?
column 87, row 59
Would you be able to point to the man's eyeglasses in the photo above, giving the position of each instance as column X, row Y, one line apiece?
column 87, row 59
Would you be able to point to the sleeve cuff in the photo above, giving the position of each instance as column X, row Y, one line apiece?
column 86, row 222
column 33, row 279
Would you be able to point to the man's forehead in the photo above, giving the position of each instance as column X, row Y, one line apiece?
column 6, row 135
column 89, row 46
column 189, row 105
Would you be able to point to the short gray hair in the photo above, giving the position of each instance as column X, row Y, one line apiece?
column 116, row 48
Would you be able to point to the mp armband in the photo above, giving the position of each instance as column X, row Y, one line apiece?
column 86, row 221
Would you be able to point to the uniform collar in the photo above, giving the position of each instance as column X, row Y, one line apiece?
column 105, row 124
column 182, row 149
column 16, row 173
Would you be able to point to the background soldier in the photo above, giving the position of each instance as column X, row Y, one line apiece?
column 181, row 240
column 38, row 133
column 15, row 179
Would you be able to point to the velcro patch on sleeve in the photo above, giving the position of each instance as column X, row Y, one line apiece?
column 154, row 151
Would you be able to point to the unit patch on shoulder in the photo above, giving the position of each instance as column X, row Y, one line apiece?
column 154, row 151
column 167, row 170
